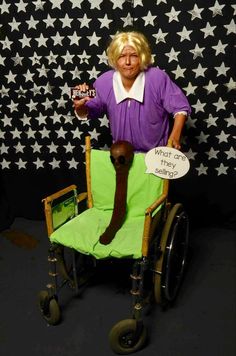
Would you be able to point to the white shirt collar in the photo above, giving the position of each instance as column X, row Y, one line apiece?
column 136, row 92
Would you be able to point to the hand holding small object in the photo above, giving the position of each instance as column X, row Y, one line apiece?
column 80, row 95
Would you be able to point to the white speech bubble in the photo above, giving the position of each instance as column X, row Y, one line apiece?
column 166, row 162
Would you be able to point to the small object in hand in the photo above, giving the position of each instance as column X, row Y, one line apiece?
column 79, row 94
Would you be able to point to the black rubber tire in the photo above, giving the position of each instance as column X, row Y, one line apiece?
column 120, row 337
column 159, row 279
column 49, row 308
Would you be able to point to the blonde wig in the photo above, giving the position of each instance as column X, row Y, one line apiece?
column 135, row 39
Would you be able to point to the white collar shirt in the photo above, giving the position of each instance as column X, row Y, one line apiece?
column 136, row 92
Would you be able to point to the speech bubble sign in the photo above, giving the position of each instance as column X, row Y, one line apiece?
column 166, row 162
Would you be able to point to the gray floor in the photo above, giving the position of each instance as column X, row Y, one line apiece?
column 202, row 323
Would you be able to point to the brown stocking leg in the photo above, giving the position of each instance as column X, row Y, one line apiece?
column 121, row 157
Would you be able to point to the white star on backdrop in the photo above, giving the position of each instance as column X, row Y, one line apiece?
column 76, row 3
column 190, row 89
column 5, row 164
column 93, row 39
column 25, row 41
column 231, row 85
column 149, row 19
column 179, row 72
column 128, row 20
column 138, row 3
column 173, row 15
column 199, row 106
column 72, row 163
column 195, row 12
column 6, row 43
column 220, row 104
column 32, row 23
column 222, row 137
column 202, row 170
column 93, row 73
column 211, row 121
column 52, row 147
column 197, row 51
column 231, row 27
column 117, row 3
column 39, row 4
column 56, row 3
column 74, row 39
column 15, row 25
column 219, row 48
column 212, row 154
column 66, row 21
column 17, row 60
column 231, row 121
column 231, row 153
column 3, row 149
column 49, row 21
column 95, row 4
column 222, row 69
column 4, row 91
column 173, row 55
column 216, row 9
column 160, row 36
column 199, row 71
column 42, row 41
column 21, row 6
column 184, row 34
column 221, row 169
column 10, row 77
column 39, row 163
column 190, row 154
column 21, row 164
column 57, row 39
column 105, row 21
column 4, row 7
column 84, row 22
column 54, row 163
column 208, row 30
column 210, row 87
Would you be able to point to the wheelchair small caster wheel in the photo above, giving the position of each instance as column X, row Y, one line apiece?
column 123, row 337
column 49, row 308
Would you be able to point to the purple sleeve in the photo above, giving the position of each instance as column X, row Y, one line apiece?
column 172, row 96
column 96, row 107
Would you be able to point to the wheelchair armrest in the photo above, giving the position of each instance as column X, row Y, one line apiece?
column 82, row 196
column 149, row 216
column 160, row 199
column 60, row 206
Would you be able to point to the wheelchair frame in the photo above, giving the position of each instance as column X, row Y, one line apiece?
column 164, row 252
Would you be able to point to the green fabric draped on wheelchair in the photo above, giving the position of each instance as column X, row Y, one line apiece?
column 154, row 236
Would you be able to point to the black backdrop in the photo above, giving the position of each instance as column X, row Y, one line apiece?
column 49, row 46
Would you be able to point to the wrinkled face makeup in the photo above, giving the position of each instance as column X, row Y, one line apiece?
column 128, row 63
column 122, row 154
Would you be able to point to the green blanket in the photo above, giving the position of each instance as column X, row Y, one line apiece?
column 82, row 232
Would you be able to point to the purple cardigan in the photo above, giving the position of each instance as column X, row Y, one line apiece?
column 145, row 125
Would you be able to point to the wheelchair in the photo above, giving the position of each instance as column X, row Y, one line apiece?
column 154, row 237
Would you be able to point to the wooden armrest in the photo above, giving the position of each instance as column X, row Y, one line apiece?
column 82, row 196
column 59, row 193
column 160, row 200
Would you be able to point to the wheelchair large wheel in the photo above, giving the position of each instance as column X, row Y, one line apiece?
column 170, row 267
column 123, row 338
column 49, row 308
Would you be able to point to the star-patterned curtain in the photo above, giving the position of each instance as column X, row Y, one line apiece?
column 47, row 47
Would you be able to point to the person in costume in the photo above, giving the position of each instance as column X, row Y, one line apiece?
column 137, row 98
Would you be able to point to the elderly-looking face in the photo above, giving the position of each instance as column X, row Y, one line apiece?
column 128, row 63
